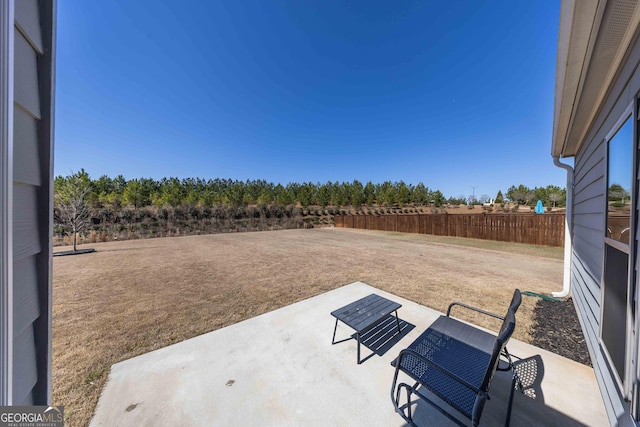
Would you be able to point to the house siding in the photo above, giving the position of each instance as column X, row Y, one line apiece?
column 26, row 150
column 587, row 258
column 27, row 20
column 588, row 228
column 32, row 201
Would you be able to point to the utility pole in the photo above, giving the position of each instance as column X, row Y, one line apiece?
column 473, row 197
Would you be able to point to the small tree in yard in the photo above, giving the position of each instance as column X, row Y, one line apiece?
column 555, row 198
column 528, row 197
column 71, row 210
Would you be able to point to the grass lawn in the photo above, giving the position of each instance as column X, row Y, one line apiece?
column 135, row 296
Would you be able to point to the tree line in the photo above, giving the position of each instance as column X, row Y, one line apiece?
column 172, row 192
column 113, row 208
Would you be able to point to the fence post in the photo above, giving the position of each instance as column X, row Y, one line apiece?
column 484, row 225
column 446, row 224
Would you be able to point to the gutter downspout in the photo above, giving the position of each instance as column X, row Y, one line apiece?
column 568, row 237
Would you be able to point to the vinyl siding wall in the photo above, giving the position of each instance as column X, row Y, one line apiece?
column 32, row 177
column 589, row 210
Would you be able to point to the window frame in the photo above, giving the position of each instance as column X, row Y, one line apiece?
column 624, row 383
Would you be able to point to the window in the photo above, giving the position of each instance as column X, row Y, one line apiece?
column 615, row 279
column 619, row 181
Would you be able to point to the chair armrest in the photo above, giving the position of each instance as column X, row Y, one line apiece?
column 434, row 365
column 479, row 310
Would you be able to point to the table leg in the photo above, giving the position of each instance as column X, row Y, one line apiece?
column 333, row 340
column 398, row 322
column 358, row 336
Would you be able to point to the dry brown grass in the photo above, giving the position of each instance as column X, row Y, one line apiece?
column 132, row 297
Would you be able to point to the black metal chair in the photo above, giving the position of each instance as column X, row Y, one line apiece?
column 455, row 362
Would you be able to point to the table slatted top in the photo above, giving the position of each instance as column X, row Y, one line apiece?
column 366, row 312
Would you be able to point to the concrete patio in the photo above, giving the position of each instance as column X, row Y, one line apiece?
column 280, row 368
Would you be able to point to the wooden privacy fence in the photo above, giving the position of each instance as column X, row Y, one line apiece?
column 546, row 229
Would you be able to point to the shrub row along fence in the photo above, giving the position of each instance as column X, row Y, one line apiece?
column 545, row 229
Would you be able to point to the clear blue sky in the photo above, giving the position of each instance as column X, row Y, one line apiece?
column 451, row 94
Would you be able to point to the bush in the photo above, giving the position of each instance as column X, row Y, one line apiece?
column 194, row 212
column 235, row 213
column 105, row 214
column 219, row 213
column 254, row 213
column 142, row 214
column 163, row 214
column 178, row 213
column 276, row 211
column 126, row 215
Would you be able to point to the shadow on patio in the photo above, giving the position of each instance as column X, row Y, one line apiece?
column 281, row 369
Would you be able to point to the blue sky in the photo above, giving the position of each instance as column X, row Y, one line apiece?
column 451, row 94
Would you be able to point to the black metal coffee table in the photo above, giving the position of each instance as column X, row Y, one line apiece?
column 365, row 314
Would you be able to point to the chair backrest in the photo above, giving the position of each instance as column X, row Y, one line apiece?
column 506, row 330
column 504, row 334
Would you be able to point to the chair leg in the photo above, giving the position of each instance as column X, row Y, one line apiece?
column 513, row 386
column 409, row 413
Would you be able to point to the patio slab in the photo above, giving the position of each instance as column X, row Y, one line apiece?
column 280, row 368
